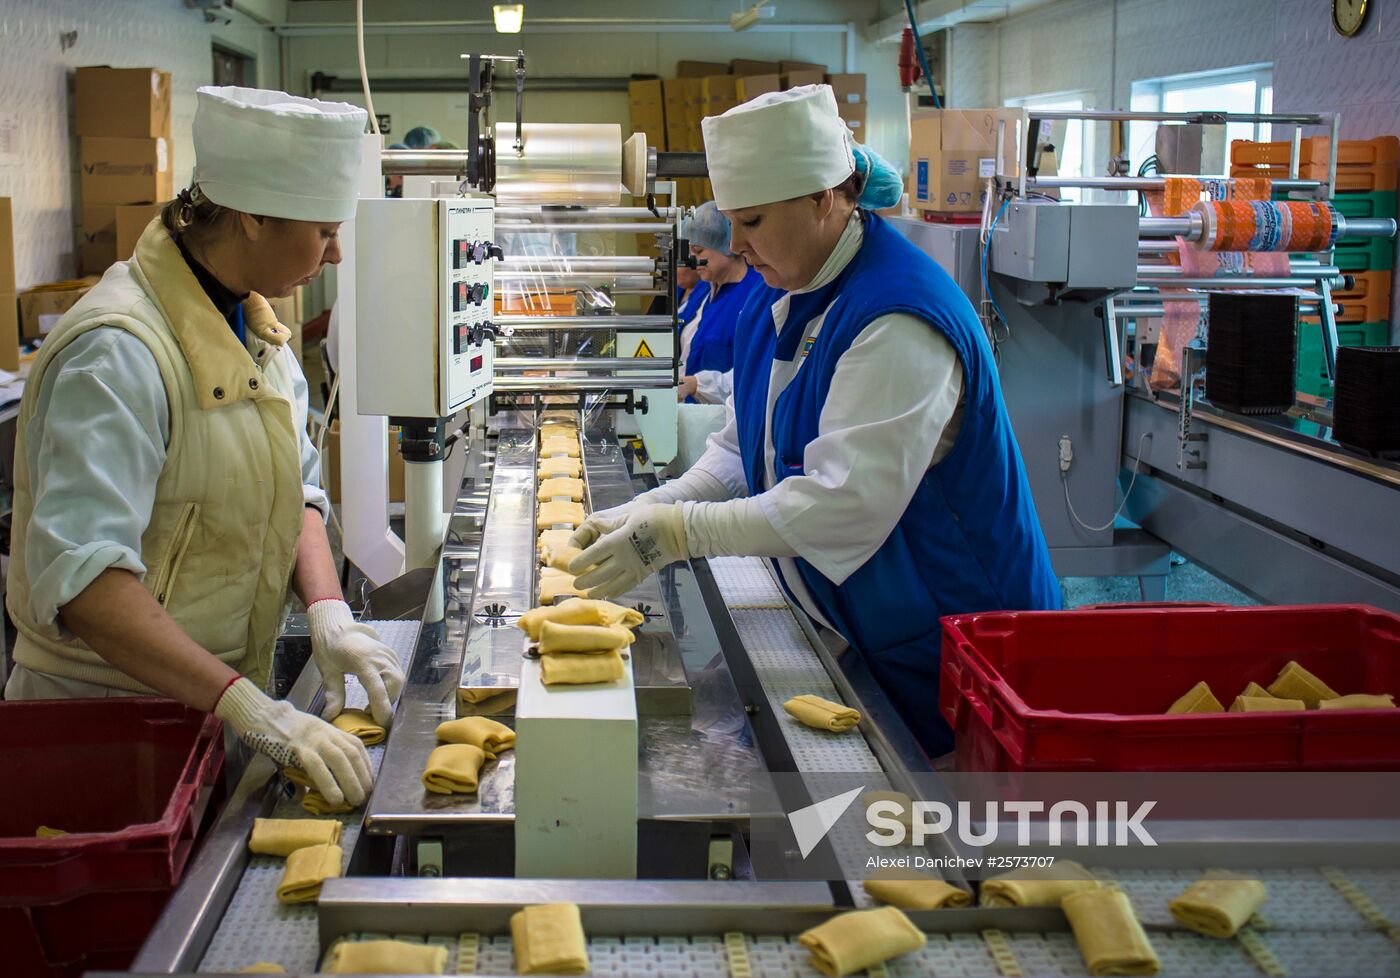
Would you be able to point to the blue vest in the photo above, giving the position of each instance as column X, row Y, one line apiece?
column 712, row 346
column 691, row 304
column 969, row 539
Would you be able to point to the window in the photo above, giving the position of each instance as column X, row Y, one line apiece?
column 1073, row 139
column 1245, row 89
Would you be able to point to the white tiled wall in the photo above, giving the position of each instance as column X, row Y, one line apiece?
column 36, row 63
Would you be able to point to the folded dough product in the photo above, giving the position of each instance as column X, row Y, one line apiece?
column 1038, row 887
column 559, row 445
column 926, row 893
column 489, row 736
column 570, row 669
column 557, row 584
column 555, row 513
column 284, row 836
column 555, row 637
column 1264, row 704
column 580, row 611
column 1359, row 701
column 858, row 939
column 1197, row 699
column 557, row 416
column 552, row 540
column 822, row 714
column 306, row 870
column 558, row 558
column 905, row 815
column 1296, row 683
column 385, row 958
column 1218, row 907
column 1109, row 935
column 559, row 465
column 453, row 769
column 316, row 803
column 47, row 832
column 1254, row 690
column 561, row 486
column 548, row 939
column 360, row 724
column 263, row 968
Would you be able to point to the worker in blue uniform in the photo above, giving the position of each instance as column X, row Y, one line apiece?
column 868, row 452
column 707, row 338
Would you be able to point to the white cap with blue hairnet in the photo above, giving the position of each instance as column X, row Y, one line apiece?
column 708, row 228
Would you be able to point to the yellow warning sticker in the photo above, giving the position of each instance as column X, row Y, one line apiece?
column 643, row 350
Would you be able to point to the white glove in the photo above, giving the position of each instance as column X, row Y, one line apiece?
column 335, row 761
column 342, row 645
column 627, row 550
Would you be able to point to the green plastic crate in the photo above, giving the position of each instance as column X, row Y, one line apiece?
column 1312, row 364
column 1363, row 254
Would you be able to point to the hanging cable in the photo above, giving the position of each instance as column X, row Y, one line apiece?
column 986, row 282
column 919, row 50
column 1137, row 467
column 364, row 75
column 321, row 447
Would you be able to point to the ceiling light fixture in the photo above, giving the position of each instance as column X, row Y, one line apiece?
column 745, row 19
column 509, row 17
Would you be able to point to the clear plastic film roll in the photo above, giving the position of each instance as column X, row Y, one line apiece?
column 562, row 163
column 1266, row 225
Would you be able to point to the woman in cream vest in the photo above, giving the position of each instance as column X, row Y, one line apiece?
column 167, row 499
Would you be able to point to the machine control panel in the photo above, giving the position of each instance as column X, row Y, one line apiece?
column 424, row 289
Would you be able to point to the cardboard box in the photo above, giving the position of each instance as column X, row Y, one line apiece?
column 796, row 79
column 694, row 111
column 849, row 89
column 7, row 247
column 131, row 102
column 41, row 307
column 699, row 69
column 132, row 220
column 330, row 465
column 951, row 150
column 646, row 110
column 740, row 66
column 95, row 257
column 118, row 170
column 9, row 332
column 752, row 86
column 786, row 67
column 717, row 94
column 673, row 96
column 99, row 224
column 855, row 118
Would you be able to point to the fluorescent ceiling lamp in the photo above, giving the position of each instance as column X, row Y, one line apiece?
column 743, row 20
column 509, row 17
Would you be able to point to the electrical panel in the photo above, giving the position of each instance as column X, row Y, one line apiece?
column 424, row 295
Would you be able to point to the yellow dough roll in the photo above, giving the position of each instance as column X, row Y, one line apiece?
column 581, row 611
column 306, row 870
column 555, row 585
column 360, row 724
column 1265, row 704
column 925, row 893
column 1110, row 938
column 561, row 486
column 1359, row 701
column 48, row 832
column 315, row 803
column 555, row 637
column 1218, row 907
column 554, row 514
column 569, row 669
column 905, row 815
column 560, row 445
column 1296, row 683
column 559, row 558
column 822, row 714
column 1198, row 699
column 489, row 736
column 560, row 465
column 1038, row 887
column 453, row 769
column 555, row 416
column 858, row 939
column 551, row 540
column 548, row 939
column 284, row 836
column 385, row 958
column 1255, row 691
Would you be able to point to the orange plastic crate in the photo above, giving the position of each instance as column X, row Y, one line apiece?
column 1367, row 301
column 1350, row 179
column 1313, row 150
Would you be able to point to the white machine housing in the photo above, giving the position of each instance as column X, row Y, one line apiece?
column 424, row 294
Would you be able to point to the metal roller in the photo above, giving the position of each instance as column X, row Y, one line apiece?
column 560, row 163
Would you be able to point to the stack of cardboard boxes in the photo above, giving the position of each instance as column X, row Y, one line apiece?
column 125, row 167
column 9, row 303
column 669, row 110
column 952, row 155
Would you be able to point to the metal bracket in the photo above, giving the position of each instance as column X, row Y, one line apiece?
column 721, row 859
column 1112, row 345
column 1188, row 458
column 430, row 857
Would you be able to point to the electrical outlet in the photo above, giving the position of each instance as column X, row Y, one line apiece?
column 1066, row 453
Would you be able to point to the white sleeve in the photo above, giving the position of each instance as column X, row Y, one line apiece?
column 722, row 459
column 714, row 386
column 311, row 492
column 95, row 448
column 888, row 416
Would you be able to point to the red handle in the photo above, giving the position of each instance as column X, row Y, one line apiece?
column 1140, row 605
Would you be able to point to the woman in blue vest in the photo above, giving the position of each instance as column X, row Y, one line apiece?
column 707, row 339
column 868, row 451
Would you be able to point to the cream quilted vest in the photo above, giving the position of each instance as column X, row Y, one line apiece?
column 221, row 543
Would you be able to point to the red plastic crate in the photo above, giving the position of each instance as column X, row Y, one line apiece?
column 131, row 779
column 1089, row 689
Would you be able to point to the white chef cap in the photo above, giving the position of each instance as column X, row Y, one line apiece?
column 278, row 155
column 776, row 147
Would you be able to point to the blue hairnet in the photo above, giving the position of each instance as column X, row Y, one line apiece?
column 881, row 184
column 709, row 228
column 421, row 137
column 398, row 146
